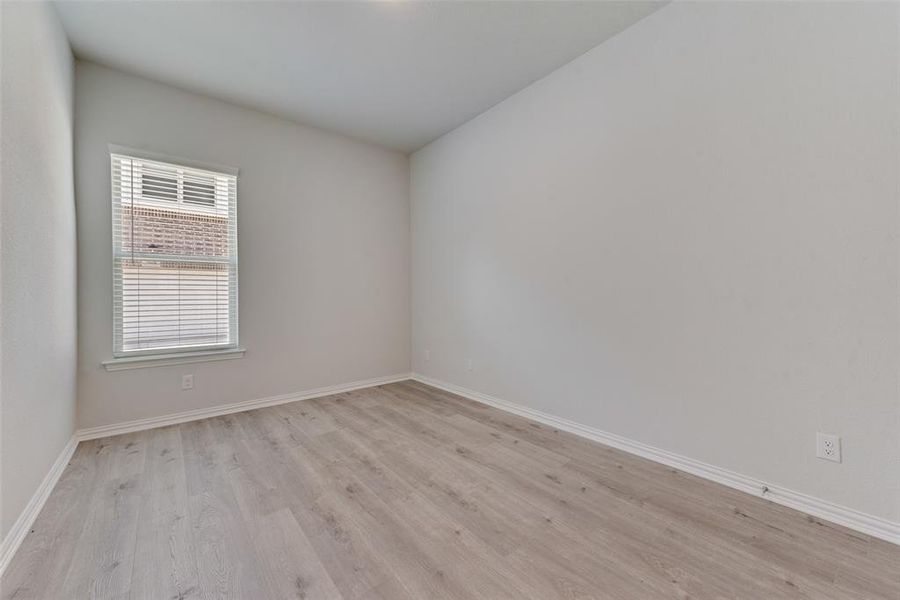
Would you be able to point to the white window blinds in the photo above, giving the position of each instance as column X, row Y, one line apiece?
column 174, row 257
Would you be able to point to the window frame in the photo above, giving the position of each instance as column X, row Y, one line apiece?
column 129, row 359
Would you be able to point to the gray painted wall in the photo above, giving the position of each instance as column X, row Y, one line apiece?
column 687, row 237
column 37, row 255
column 323, row 225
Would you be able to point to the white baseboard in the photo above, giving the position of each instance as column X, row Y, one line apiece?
column 92, row 433
column 23, row 524
column 848, row 517
column 853, row 519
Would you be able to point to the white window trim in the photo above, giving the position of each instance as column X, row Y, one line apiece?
column 147, row 358
column 174, row 358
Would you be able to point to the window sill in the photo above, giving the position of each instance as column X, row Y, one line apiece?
column 175, row 358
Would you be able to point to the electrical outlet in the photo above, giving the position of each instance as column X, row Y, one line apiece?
column 187, row 382
column 828, row 447
column 427, row 355
column 469, row 366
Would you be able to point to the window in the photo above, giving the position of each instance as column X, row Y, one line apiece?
column 174, row 258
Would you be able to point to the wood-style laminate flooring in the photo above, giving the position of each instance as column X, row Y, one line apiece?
column 404, row 491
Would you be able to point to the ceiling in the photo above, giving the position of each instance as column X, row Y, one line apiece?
column 396, row 73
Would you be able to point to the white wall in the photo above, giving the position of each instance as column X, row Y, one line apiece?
column 37, row 252
column 687, row 237
column 323, row 244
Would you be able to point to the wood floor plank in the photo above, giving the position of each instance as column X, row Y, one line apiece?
column 290, row 562
column 44, row 558
column 299, row 472
column 403, row 491
column 226, row 566
column 104, row 553
column 164, row 562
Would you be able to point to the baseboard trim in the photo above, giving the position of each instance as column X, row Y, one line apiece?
column 92, row 433
column 848, row 517
column 23, row 524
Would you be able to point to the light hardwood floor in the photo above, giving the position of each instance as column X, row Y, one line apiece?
column 404, row 491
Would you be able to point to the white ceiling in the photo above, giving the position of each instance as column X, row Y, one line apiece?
column 397, row 73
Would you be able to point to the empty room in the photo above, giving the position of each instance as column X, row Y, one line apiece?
column 449, row 299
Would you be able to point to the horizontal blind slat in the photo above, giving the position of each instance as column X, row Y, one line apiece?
column 175, row 256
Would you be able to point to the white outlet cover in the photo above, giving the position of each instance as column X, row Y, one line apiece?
column 828, row 447
column 187, row 382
